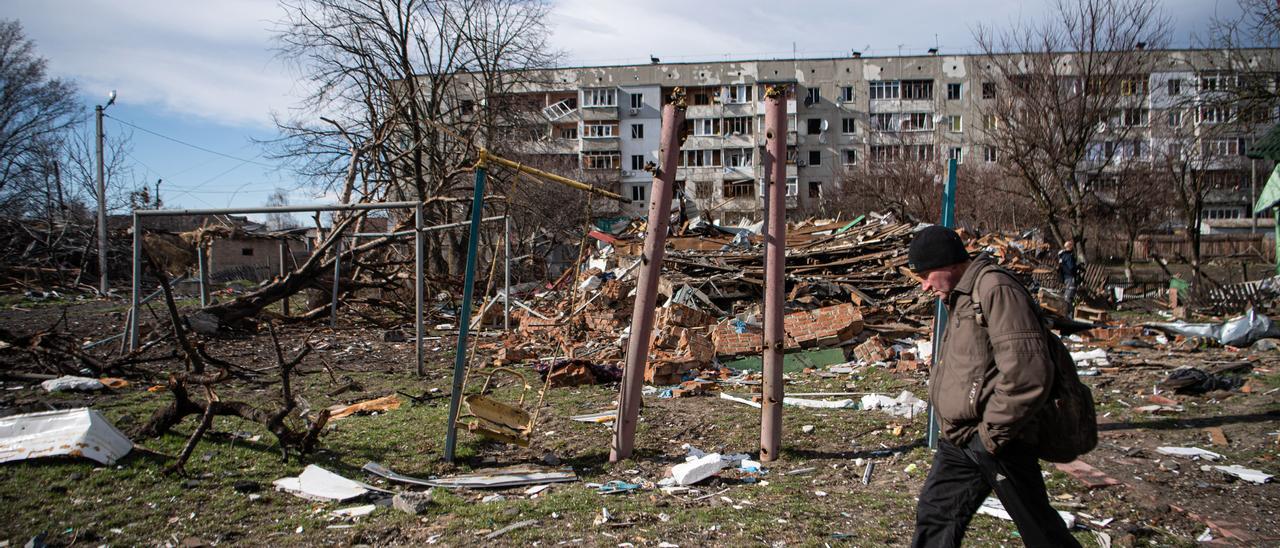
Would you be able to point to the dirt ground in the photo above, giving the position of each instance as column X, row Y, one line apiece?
column 812, row 496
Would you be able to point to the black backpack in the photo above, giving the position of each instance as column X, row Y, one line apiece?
column 1067, row 424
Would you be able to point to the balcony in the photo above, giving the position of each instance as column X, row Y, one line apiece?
column 594, row 144
column 558, row 111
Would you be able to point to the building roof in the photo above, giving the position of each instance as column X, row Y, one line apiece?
column 1268, row 147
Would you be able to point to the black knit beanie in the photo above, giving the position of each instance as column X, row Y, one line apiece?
column 936, row 246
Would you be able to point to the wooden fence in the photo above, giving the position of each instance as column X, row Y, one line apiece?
column 1172, row 246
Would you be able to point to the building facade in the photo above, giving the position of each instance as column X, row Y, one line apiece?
column 844, row 112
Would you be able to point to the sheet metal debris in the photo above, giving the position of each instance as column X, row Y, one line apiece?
column 490, row 479
column 81, row 432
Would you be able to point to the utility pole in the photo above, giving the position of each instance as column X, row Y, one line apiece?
column 102, row 201
column 775, row 121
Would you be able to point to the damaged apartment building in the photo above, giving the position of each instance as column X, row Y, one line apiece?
column 843, row 113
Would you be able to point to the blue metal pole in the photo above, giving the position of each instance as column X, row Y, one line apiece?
column 464, row 315
column 939, row 309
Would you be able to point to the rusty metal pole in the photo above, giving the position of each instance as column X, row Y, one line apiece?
column 624, row 429
column 775, row 123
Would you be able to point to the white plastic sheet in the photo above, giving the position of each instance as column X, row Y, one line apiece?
column 68, row 382
column 79, row 432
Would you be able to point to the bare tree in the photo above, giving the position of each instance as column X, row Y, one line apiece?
column 35, row 113
column 1053, row 88
column 280, row 221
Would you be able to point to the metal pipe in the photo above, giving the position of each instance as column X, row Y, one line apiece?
column 624, row 429
column 506, row 275
column 426, row 229
column 419, row 298
column 337, row 278
column 464, row 315
column 775, row 122
column 486, row 156
column 940, row 309
column 284, row 270
column 137, row 283
column 276, row 209
column 202, row 265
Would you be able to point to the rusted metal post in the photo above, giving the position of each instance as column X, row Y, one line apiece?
column 624, row 429
column 202, row 263
column 775, row 123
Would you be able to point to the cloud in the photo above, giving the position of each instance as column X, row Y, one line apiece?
column 210, row 60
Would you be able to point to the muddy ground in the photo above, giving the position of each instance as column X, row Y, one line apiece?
column 813, row 495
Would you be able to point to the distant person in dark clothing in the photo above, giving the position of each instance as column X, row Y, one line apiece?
column 1068, row 271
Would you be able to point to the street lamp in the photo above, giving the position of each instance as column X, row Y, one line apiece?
column 102, row 201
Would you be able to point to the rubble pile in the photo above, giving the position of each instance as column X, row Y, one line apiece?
column 848, row 287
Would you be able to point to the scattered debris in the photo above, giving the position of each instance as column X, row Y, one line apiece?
column 906, row 405
column 1189, row 452
column 1247, row 474
column 316, row 483
column 694, row 471
column 69, row 383
column 490, row 479
column 509, row 528
column 379, row 405
column 993, row 507
column 81, row 432
column 412, row 502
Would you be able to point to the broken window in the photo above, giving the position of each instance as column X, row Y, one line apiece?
column 1215, row 81
column 600, row 97
column 737, row 125
column 988, row 90
column 1175, row 87
column 637, row 193
column 989, row 154
column 955, row 124
column 848, row 126
column 599, row 130
column 917, row 89
column 846, row 94
column 1175, row 118
column 637, row 131
column 1215, row 114
column 793, row 186
column 699, row 158
column 738, row 157
column 990, row 122
column 815, row 157
column 739, row 189
column 793, row 154
column 703, row 189
column 706, row 127
column 601, row 160
column 812, row 97
column 884, row 153
column 739, row 94
column 637, row 100
column 814, row 126
column 569, row 133
column 850, row 157
column 637, row 162
column 815, row 189
column 953, row 92
column 1135, row 117
column 886, row 89
column 1222, row 147
column 917, row 121
column 883, row 121
column 957, row 154
column 1136, row 85
column 246, row 251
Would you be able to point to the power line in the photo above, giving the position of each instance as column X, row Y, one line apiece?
column 181, row 142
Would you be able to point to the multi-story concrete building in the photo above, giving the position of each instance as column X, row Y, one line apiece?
column 844, row 112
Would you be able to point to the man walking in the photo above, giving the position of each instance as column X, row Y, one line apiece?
column 1068, row 268
column 989, row 379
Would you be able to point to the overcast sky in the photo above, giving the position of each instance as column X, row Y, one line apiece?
column 204, row 72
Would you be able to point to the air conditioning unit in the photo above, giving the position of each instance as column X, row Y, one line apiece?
column 808, row 102
column 634, row 111
column 801, row 163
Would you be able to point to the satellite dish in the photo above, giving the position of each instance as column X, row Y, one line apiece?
column 824, row 125
column 111, row 98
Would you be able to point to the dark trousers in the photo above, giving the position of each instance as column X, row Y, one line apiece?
column 962, row 477
column 1069, row 295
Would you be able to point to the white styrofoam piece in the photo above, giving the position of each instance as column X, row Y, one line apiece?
column 694, row 471
column 316, row 483
column 1247, row 474
column 81, row 432
column 1189, row 452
